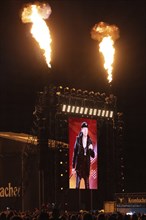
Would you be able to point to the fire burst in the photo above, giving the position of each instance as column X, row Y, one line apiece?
column 106, row 35
column 36, row 13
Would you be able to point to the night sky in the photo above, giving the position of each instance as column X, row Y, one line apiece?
column 76, row 62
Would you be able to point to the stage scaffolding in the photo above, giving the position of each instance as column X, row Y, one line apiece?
column 54, row 105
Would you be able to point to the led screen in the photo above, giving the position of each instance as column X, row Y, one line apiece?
column 83, row 155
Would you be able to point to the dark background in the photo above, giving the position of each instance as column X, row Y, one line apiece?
column 76, row 62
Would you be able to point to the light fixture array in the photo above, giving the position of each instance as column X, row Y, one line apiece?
column 80, row 110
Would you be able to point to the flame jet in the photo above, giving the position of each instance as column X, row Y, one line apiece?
column 106, row 35
column 36, row 14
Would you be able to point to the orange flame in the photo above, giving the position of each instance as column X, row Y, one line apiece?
column 106, row 35
column 108, row 51
column 36, row 14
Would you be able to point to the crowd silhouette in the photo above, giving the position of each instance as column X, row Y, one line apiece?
column 56, row 214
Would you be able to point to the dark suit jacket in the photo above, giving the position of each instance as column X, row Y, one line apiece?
column 78, row 155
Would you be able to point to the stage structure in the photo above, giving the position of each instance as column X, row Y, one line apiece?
column 55, row 105
column 18, row 171
column 41, row 168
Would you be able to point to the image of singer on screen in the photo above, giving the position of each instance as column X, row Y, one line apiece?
column 83, row 150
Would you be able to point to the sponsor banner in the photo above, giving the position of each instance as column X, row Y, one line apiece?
column 131, row 199
column 10, row 181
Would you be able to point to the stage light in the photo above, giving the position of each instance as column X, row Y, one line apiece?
column 61, row 162
column 91, row 94
column 103, row 95
column 59, row 90
column 90, row 111
column 107, row 113
column 77, row 109
column 79, row 92
column 73, row 91
column 68, row 108
column 103, row 113
column 81, row 110
column 85, row 93
column 95, row 112
column 66, row 90
column 99, row 112
column 61, row 174
column 64, row 107
column 97, row 94
column 73, row 109
column 111, row 114
column 85, row 111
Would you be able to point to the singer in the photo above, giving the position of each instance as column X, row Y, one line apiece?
column 83, row 150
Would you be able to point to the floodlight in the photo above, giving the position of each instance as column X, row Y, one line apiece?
column 99, row 112
column 106, row 113
column 90, row 111
column 85, row 111
column 68, row 108
column 111, row 114
column 81, row 110
column 94, row 111
column 103, row 113
column 77, row 109
column 64, row 107
column 73, row 109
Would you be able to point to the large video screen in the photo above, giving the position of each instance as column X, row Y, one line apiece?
column 83, row 154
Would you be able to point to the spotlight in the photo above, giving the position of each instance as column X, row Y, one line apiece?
column 73, row 91
column 103, row 96
column 91, row 94
column 85, row 111
column 90, row 111
column 85, row 93
column 81, row 110
column 66, row 90
column 107, row 113
column 103, row 113
column 68, row 108
column 99, row 112
column 95, row 111
column 97, row 96
column 77, row 109
column 59, row 90
column 73, row 109
column 79, row 92
column 111, row 114
column 64, row 107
